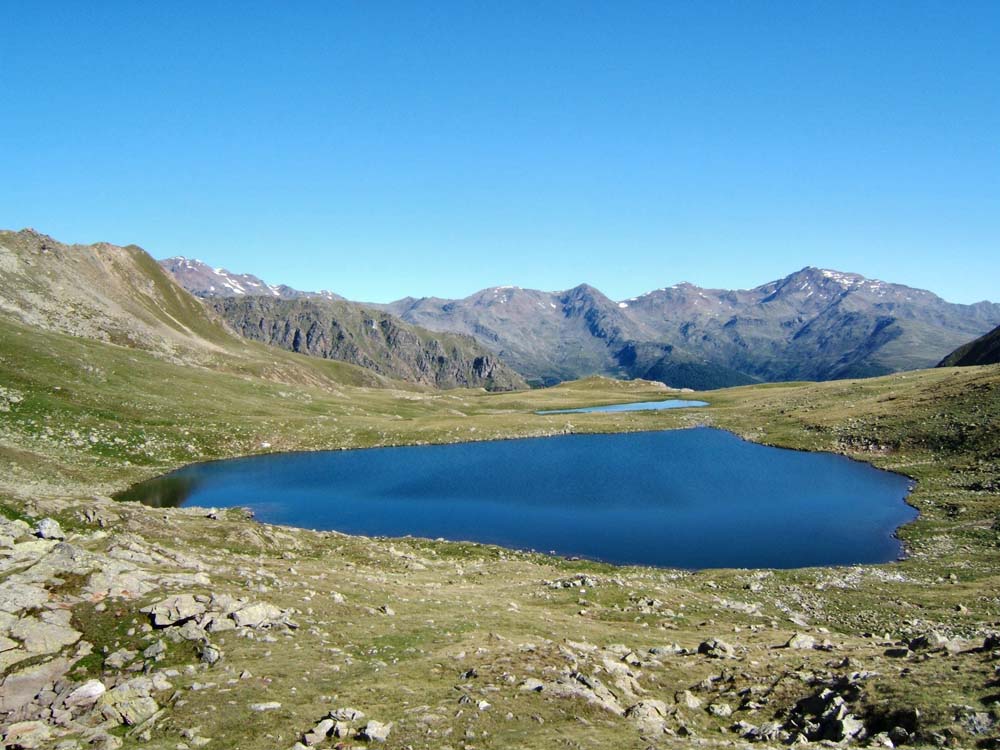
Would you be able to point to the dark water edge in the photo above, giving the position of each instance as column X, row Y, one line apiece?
column 695, row 498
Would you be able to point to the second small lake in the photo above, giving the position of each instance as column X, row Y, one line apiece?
column 695, row 498
column 674, row 403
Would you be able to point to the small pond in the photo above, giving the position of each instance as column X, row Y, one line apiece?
column 675, row 403
column 695, row 498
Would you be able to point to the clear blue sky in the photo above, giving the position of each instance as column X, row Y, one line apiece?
column 381, row 149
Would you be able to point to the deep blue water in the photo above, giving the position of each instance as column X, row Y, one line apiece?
column 676, row 403
column 693, row 498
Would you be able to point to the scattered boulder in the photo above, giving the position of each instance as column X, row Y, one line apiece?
column 650, row 715
column 375, row 731
column 716, row 649
column 49, row 528
column 319, row 733
column 27, row 735
column 210, row 654
column 347, row 714
column 688, row 699
column 86, row 695
column 257, row 615
column 722, row 710
column 801, row 641
column 129, row 703
column 174, row 610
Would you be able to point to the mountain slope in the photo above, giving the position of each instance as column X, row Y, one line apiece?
column 121, row 296
column 983, row 351
column 370, row 338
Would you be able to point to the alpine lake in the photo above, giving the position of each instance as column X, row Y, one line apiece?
column 692, row 498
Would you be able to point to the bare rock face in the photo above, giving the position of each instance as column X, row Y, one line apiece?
column 374, row 339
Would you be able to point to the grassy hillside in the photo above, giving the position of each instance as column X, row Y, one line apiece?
column 444, row 640
column 983, row 351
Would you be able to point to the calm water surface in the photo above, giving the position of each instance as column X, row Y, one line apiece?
column 675, row 403
column 691, row 498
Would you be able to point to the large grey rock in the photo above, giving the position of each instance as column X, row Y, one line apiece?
column 716, row 649
column 650, row 715
column 590, row 689
column 319, row 733
column 375, row 731
column 174, row 610
column 49, row 528
column 27, row 735
column 129, row 703
column 41, row 637
column 21, row 687
column 16, row 597
column 86, row 695
column 257, row 615
column 688, row 699
column 801, row 641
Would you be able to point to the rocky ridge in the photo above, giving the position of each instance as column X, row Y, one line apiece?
column 369, row 338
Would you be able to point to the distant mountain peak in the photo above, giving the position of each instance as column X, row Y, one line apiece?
column 204, row 280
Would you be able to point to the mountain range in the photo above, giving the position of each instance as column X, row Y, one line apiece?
column 814, row 324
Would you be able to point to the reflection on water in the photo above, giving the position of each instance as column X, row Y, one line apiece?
column 163, row 492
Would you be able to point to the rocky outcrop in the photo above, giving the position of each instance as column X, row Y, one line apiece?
column 49, row 584
column 370, row 338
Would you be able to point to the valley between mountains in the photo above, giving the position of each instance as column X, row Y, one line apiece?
column 123, row 625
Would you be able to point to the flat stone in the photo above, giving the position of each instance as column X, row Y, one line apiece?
column 257, row 615
column 174, row 609
column 21, row 687
column 268, row 706
column 41, row 637
column 16, row 597
column 347, row 714
column 27, row 735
